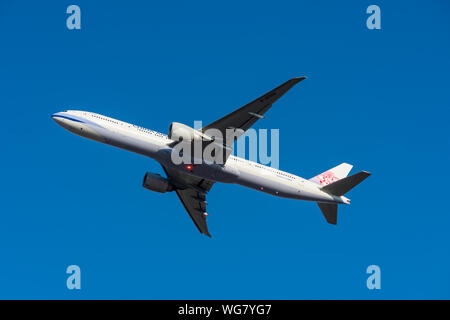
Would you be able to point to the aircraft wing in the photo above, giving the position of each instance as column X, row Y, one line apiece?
column 243, row 118
column 192, row 193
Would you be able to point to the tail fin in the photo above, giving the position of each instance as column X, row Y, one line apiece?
column 339, row 188
column 332, row 175
column 342, row 186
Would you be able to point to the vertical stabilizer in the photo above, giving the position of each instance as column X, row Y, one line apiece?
column 332, row 175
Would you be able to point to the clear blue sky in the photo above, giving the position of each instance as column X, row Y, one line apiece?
column 378, row 99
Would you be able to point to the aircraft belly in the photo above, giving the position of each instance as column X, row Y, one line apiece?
column 267, row 185
column 133, row 144
column 213, row 172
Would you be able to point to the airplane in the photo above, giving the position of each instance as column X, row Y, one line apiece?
column 192, row 181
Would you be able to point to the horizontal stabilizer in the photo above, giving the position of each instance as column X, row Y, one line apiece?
column 344, row 185
column 329, row 211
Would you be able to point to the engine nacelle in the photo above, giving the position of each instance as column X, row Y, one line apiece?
column 178, row 130
column 213, row 148
column 154, row 182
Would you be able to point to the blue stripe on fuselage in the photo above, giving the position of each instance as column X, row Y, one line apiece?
column 75, row 118
column 68, row 118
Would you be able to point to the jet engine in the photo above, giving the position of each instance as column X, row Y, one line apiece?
column 154, row 182
column 213, row 148
column 179, row 131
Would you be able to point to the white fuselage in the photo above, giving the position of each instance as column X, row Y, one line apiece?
column 156, row 146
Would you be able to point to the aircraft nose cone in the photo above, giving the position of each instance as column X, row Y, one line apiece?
column 54, row 117
column 57, row 118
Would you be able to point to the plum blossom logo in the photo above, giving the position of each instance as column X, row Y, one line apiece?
column 327, row 178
